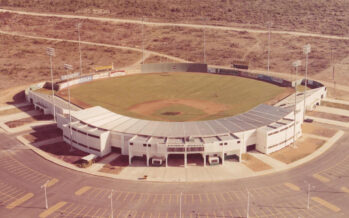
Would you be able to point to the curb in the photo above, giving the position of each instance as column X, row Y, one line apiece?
column 297, row 163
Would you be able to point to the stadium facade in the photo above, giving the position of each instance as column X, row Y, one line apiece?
column 98, row 131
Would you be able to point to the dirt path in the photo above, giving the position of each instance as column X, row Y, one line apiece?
column 118, row 20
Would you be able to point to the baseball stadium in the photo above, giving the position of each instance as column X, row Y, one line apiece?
column 178, row 109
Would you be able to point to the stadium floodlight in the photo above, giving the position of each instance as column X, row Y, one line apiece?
column 51, row 52
column 44, row 186
column 306, row 51
column 270, row 24
column 79, row 26
column 111, row 203
column 69, row 67
column 295, row 64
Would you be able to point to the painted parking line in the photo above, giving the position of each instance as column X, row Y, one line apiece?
column 345, row 189
column 82, row 190
column 52, row 209
column 292, row 186
column 321, row 178
column 19, row 201
column 326, row 204
column 52, row 182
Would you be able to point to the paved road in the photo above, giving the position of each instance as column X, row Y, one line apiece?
column 119, row 20
column 75, row 194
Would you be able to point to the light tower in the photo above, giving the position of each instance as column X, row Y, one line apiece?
column 270, row 24
column 69, row 67
column 295, row 64
column 79, row 26
column 306, row 51
column 51, row 52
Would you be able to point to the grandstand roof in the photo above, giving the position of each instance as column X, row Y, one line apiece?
column 261, row 115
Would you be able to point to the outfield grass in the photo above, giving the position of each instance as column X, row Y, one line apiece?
column 237, row 94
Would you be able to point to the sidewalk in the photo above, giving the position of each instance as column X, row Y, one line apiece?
column 327, row 121
column 336, row 101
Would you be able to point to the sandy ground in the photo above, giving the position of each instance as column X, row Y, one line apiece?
column 329, row 116
column 43, row 135
column 24, row 121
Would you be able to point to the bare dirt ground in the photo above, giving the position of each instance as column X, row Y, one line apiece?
column 16, row 110
column 314, row 129
column 254, row 163
column 148, row 108
column 187, row 43
column 304, row 147
column 27, row 62
column 320, row 16
column 43, row 135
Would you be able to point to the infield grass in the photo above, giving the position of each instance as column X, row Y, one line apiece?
column 234, row 94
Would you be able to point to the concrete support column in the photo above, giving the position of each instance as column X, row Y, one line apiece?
column 147, row 160
column 223, row 158
column 204, row 160
column 185, row 159
column 129, row 159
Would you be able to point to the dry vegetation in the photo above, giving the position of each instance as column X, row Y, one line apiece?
column 304, row 147
column 254, row 163
column 322, row 16
column 314, row 129
column 186, row 43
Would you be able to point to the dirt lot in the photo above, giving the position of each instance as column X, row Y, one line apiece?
column 310, row 16
column 329, row 116
column 254, row 163
column 304, row 147
column 24, row 121
column 61, row 150
column 314, row 129
column 43, row 135
column 186, row 43
column 16, row 110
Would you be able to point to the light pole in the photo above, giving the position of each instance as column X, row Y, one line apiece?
column 79, row 26
column 69, row 67
column 295, row 64
column 142, row 40
column 180, row 205
column 306, row 51
column 51, row 53
column 269, row 35
column 248, row 204
column 44, row 186
column 308, row 194
column 111, row 203
column 204, row 41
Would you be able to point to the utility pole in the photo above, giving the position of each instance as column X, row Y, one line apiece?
column 69, row 67
column 44, row 186
column 142, row 40
column 306, row 51
column 204, row 40
column 295, row 64
column 51, row 53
